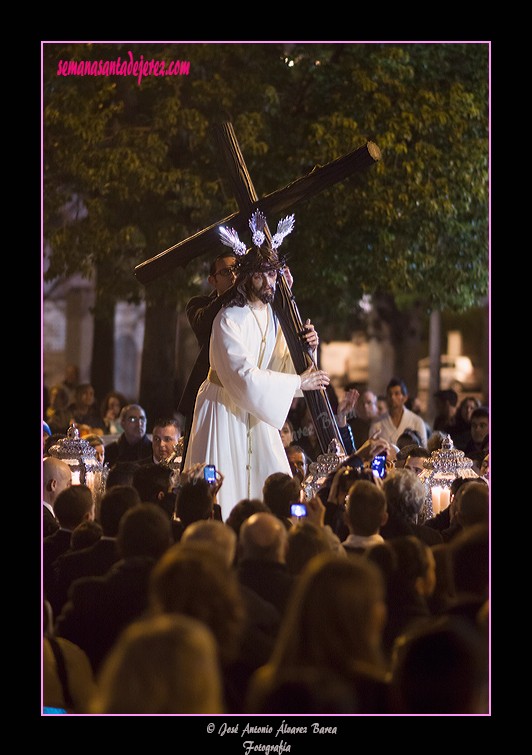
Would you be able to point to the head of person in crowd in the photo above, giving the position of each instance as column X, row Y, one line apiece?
column 441, row 669
column 366, row 406
column 403, row 453
column 472, row 503
column 408, row 438
column 96, row 442
column 446, row 402
column 56, row 476
column 299, row 461
column 366, row 510
column 263, row 538
column 396, row 395
column 74, row 505
column 144, row 531
column 466, row 409
column 287, row 433
column 279, row 491
column 415, row 460
column 161, row 665
column 405, row 494
column 304, row 542
column 194, row 502
column 84, row 397
column 133, row 422
column 336, row 618
column 110, row 409
column 165, row 435
column 194, row 579
column 121, row 473
column 153, row 483
column 114, row 504
column 243, row 510
column 214, row 533
column 479, row 425
column 382, row 406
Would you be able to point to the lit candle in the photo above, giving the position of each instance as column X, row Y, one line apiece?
column 89, row 479
column 445, row 498
column 436, row 494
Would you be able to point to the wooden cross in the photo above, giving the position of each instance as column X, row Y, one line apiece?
column 208, row 240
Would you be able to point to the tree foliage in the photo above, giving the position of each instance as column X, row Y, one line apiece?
column 130, row 169
column 416, row 225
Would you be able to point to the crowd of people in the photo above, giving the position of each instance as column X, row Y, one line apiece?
column 155, row 604
column 170, row 593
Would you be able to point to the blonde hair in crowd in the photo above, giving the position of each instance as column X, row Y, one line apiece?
column 166, row 664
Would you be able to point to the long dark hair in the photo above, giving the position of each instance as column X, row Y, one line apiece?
column 241, row 291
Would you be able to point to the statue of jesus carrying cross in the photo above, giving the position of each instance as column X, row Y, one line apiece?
column 291, row 332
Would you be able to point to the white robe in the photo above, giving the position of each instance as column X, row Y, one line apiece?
column 236, row 427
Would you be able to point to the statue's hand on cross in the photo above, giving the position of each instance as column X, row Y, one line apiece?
column 310, row 336
column 313, row 379
column 287, row 275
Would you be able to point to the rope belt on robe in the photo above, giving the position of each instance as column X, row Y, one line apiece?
column 212, row 377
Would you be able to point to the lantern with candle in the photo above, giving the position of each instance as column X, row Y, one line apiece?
column 324, row 464
column 81, row 457
column 440, row 470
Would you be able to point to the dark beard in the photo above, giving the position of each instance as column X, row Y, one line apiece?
column 266, row 298
column 242, row 292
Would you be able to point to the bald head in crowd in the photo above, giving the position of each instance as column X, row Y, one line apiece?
column 263, row 537
column 55, row 478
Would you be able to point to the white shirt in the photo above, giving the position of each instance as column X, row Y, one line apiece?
column 49, row 508
column 360, row 541
column 409, row 421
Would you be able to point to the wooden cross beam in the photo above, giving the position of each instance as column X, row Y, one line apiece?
column 274, row 204
column 278, row 202
column 284, row 304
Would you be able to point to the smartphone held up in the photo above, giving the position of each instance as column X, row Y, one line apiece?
column 209, row 474
column 378, row 465
column 298, row 509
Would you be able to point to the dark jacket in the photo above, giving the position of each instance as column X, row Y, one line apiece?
column 121, row 450
column 201, row 311
column 397, row 527
column 99, row 608
column 270, row 579
column 94, row 561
